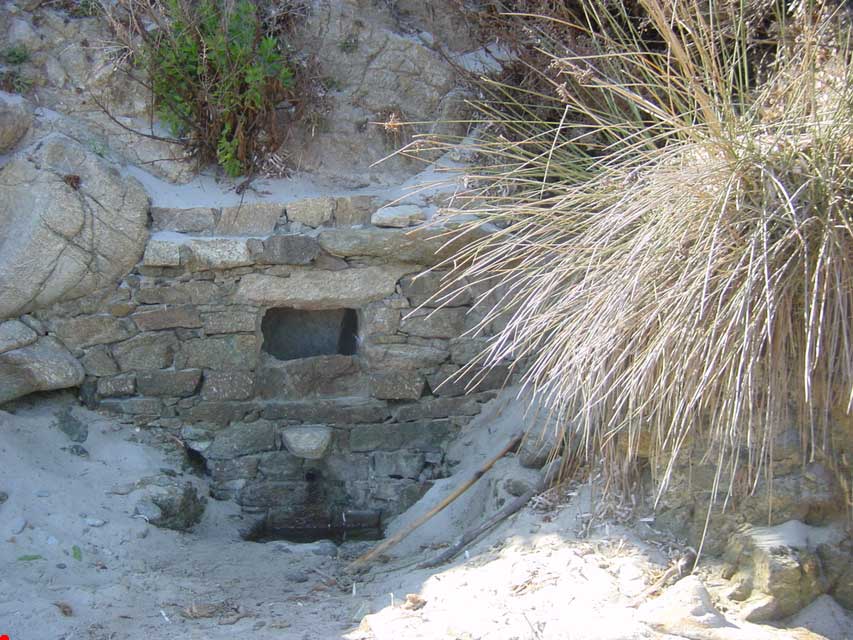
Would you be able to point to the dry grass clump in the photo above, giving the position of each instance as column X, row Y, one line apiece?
column 676, row 244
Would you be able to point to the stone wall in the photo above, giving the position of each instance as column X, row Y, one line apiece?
column 179, row 344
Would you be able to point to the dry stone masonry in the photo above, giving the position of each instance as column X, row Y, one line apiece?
column 294, row 343
column 307, row 366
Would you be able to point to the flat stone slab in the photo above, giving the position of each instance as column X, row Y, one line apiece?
column 348, row 288
column 426, row 245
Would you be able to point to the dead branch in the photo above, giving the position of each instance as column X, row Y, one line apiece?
column 546, row 478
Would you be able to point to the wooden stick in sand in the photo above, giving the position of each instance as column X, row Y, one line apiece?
column 546, row 478
column 365, row 559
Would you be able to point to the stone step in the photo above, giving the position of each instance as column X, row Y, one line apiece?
column 423, row 245
column 262, row 218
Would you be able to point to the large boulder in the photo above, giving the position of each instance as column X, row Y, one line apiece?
column 69, row 224
column 379, row 79
column 39, row 366
column 775, row 571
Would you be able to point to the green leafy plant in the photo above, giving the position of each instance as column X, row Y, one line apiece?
column 14, row 81
column 218, row 73
column 16, row 55
column 349, row 44
column 673, row 240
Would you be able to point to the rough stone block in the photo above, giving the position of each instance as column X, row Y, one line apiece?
column 333, row 375
column 14, row 335
column 426, row 435
column 436, row 289
column 401, row 494
column 117, row 386
column 147, row 351
column 328, row 411
column 353, row 210
column 317, row 289
column 195, row 220
column 170, row 383
column 307, row 441
column 780, row 566
column 228, row 385
column 399, row 385
column 330, row 263
column 227, row 489
column 378, row 318
column 88, row 331
column 121, row 309
column 837, row 562
column 242, row 468
column 242, row 439
column 99, row 362
column 398, row 464
column 312, row 212
column 162, row 252
column 464, row 350
column 446, row 381
column 257, row 218
column 220, row 352
column 271, row 494
column 348, row 467
column 280, row 465
column 218, row 412
column 438, row 408
column 172, row 506
column 197, row 437
column 230, row 320
column 195, row 292
column 402, row 356
column 218, row 253
column 373, row 437
column 434, row 323
column 133, row 406
column 287, row 249
column 400, row 216
column 186, row 316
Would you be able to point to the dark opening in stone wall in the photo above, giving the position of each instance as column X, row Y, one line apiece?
column 294, row 333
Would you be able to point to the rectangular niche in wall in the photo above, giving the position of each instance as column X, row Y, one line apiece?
column 294, row 333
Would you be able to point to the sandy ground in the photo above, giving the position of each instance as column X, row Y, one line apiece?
column 77, row 564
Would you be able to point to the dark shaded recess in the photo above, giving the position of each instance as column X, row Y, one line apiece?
column 290, row 334
column 346, row 526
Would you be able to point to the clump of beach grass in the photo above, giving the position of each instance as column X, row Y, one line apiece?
column 675, row 249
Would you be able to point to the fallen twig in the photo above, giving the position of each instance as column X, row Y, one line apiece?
column 363, row 560
column 682, row 566
column 545, row 479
